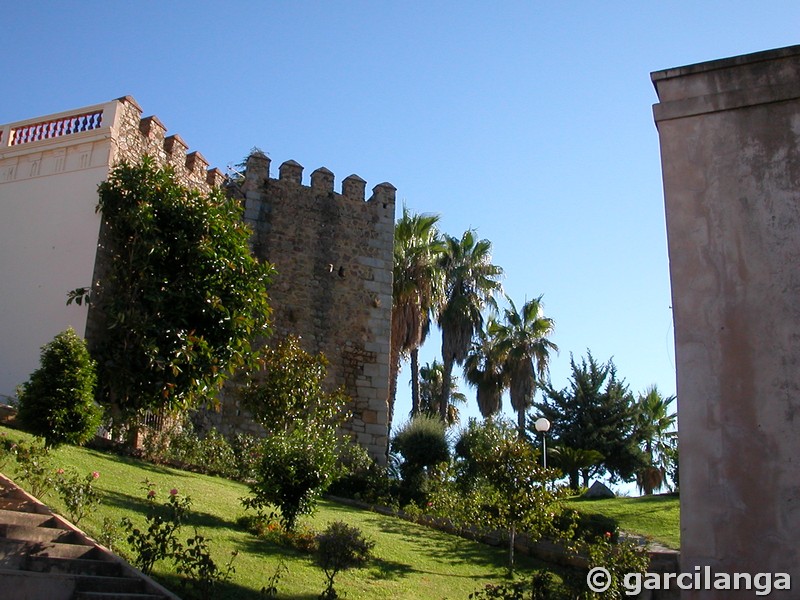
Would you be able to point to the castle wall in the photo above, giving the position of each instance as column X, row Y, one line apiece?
column 730, row 151
column 333, row 255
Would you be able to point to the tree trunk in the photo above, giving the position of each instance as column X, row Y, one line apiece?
column 521, row 423
column 512, row 534
column 585, row 473
column 414, row 382
column 446, row 375
column 394, row 371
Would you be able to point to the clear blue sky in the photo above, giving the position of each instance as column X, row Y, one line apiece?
column 528, row 121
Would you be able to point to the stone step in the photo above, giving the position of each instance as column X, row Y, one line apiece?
column 20, row 504
column 10, row 548
column 114, row 596
column 115, row 585
column 38, row 534
column 11, row 517
column 75, row 566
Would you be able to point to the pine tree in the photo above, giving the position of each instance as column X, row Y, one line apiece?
column 596, row 412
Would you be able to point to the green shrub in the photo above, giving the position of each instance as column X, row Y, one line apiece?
column 247, row 452
column 364, row 479
column 57, row 402
column 341, row 547
column 297, row 467
column 422, row 442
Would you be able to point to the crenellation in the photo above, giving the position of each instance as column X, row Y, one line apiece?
column 153, row 129
column 353, row 187
column 176, row 148
column 322, row 180
column 215, row 178
column 291, row 171
column 384, row 192
column 196, row 163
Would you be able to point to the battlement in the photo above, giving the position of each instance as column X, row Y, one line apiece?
column 257, row 174
column 148, row 135
column 46, row 140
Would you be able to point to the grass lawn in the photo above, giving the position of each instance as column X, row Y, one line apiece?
column 411, row 561
column 656, row 517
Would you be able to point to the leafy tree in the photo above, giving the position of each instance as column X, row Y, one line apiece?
column 302, row 450
column 431, row 378
column 522, row 341
column 596, row 412
column 656, row 428
column 181, row 299
column 422, row 442
column 502, row 483
column 287, row 387
column 298, row 465
column 417, row 288
column 471, row 280
column 57, row 402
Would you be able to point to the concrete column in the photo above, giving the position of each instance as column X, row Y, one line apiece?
column 730, row 150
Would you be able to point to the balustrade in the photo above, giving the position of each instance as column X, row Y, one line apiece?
column 56, row 128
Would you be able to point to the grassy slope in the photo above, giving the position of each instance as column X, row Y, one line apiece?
column 411, row 561
column 656, row 517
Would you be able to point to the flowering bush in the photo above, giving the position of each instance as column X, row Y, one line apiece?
column 268, row 527
column 6, row 451
column 77, row 492
column 160, row 541
column 34, row 466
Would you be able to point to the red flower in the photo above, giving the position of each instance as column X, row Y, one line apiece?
column 95, row 474
column 151, row 494
column 608, row 534
column 173, row 492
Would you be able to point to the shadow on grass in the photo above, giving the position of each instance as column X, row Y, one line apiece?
column 140, row 506
column 225, row 591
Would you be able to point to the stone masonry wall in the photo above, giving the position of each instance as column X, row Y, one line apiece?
column 333, row 255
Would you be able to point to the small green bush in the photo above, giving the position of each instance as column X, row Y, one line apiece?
column 341, row 547
column 422, row 442
column 57, row 402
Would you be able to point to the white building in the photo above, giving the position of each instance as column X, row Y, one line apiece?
column 50, row 168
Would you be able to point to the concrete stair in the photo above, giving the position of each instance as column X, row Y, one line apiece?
column 42, row 555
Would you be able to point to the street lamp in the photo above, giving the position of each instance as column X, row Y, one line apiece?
column 543, row 425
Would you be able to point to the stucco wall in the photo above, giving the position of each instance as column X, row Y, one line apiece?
column 48, row 236
column 730, row 147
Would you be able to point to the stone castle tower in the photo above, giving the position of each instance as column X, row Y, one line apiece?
column 333, row 255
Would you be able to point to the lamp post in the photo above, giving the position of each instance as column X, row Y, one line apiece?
column 543, row 425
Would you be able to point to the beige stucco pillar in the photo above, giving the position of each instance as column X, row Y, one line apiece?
column 730, row 150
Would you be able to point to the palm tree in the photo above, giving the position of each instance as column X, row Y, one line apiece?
column 522, row 339
column 483, row 368
column 417, row 286
column 655, row 427
column 431, row 383
column 571, row 461
column 470, row 282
